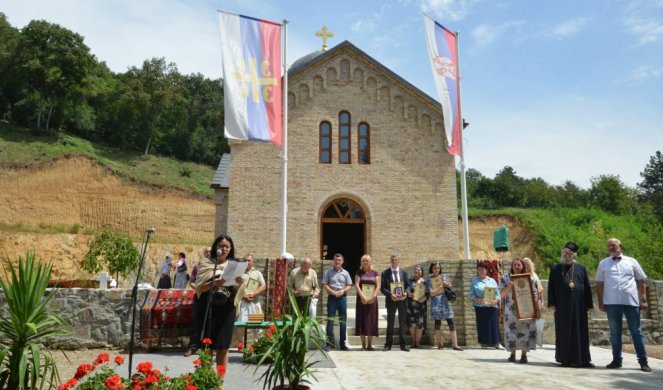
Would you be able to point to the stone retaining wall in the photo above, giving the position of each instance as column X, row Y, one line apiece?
column 99, row 318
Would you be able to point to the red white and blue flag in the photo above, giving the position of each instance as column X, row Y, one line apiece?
column 251, row 50
column 442, row 50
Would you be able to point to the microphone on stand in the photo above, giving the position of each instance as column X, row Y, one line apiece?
column 134, row 296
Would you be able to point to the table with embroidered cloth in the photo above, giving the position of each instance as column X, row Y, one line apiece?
column 166, row 313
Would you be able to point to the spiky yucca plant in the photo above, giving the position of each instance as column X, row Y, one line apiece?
column 22, row 363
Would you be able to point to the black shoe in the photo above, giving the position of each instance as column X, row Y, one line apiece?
column 511, row 358
column 328, row 348
column 645, row 367
column 588, row 365
column 405, row 348
column 387, row 347
column 614, row 364
column 344, row 348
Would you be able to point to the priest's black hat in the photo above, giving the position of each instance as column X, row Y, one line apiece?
column 572, row 246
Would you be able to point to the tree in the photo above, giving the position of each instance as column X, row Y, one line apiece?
column 652, row 184
column 9, row 38
column 610, row 194
column 538, row 193
column 570, row 195
column 111, row 250
column 150, row 94
column 53, row 62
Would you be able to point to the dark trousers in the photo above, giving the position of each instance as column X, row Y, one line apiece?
column 392, row 307
column 301, row 304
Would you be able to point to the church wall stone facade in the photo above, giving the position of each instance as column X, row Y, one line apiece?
column 407, row 191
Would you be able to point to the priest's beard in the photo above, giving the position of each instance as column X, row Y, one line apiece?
column 566, row 261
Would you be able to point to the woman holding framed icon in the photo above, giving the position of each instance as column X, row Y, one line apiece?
column 520, row 310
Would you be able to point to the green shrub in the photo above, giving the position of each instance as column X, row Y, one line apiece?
column 590, row 229
column 113, row 251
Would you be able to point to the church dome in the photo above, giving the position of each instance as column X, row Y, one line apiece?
column 303, row 61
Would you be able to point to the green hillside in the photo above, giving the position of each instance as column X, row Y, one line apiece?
column 20, row 147
column 641, row 237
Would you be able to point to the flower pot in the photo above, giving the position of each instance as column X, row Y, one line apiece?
column 299, row 387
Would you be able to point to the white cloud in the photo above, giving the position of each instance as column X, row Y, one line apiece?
column 448, row 10
column 644, row 72
column 363, row 25
column 569, row 27
column 647, row 30
column 644, row 19
column 485, row 34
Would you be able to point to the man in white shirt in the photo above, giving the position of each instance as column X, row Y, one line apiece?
column 621, row 292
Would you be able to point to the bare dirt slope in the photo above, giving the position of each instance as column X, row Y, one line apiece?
column 76, row 193
column 481, row 238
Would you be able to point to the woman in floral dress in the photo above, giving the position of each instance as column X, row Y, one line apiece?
column 517, row 334
column 440, row 308
column 416, row 309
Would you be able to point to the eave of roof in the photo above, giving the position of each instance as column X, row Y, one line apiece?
column 293, row 72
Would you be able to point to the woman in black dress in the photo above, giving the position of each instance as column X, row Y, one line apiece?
column 218, row 316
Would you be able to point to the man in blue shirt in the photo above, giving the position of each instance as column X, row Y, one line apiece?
column 337, row 282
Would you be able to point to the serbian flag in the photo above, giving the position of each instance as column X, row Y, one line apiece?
column 444, row 61
column 251, row 50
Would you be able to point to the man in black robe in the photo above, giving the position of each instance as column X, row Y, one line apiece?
column 570, row 298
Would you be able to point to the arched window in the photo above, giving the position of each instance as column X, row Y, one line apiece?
column 364, row 143
column 325, row 142
column 344, row 137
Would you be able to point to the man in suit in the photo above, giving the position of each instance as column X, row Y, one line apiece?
column 395, row 301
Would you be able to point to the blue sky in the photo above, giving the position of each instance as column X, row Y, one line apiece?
column 556, row 89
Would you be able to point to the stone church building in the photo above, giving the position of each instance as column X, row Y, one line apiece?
column 367, row 169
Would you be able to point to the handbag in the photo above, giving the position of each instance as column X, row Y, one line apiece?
column 450, row 294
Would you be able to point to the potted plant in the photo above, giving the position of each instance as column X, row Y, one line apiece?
column 23, row 363
column 285, row 359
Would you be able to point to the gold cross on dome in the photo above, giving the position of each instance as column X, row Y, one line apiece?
column 324, row 34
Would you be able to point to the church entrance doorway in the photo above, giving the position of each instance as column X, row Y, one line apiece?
column 344, row 231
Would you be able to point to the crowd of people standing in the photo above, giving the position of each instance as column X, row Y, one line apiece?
column 621, row 292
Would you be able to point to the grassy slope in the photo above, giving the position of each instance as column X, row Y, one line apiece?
column 19, row 147
column 589, row 228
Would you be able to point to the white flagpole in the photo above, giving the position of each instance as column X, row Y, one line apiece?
column 284, row 154
column 463, row 187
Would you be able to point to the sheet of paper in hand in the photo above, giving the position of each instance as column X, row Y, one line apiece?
column 233, row 270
